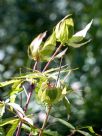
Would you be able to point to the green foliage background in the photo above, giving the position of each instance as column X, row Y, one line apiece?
column 22, row 20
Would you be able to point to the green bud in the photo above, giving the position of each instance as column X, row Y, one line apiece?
column 64, row 30
column 50, row 94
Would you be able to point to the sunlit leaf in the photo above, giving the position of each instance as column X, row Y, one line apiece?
column 16, row 88
column 2, row 108
column 13, row 128
column 83, row 32
column 64, row 30
column 8, row 121
column 91, row 129
column 48, row 48
column 17, row 108
column 33, row 49
column 28, row 120
column 2, row 84
column 84, row 133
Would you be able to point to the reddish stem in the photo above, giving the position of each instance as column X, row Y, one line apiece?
column 57, row 50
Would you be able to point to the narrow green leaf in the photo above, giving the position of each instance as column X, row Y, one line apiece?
column 8, row 121
column 16, row 88
column 83, row 133
column 67, row 104
column 2, row 108
column 2, row 84
column 65, row 123
column 77, row 45
column 13, row 128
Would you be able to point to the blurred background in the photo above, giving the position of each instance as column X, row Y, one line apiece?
column 22, row 20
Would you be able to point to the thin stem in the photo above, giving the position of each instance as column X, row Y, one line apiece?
column 35, row 65
column 46, row 66
column 32, row 86
column 45, row 121
column 59, row 71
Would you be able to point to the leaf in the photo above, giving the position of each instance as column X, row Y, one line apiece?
column 50, row 133
column 67, row 104
column 83, row 32
column 2, row 108
column 64, row 30
column 61, row 54
column 83, row 132
column 65, row 123
column 33, row 49
column 17, row 108
column 16, row 87
column 55, row 69
column 91, row 129
column 76, row 45
column 2, row 84
column 8, row 121
column 13, row 128
column 48, row 48
column 2, row 132
column 28, row 120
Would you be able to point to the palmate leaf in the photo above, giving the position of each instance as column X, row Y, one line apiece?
column 13, row 128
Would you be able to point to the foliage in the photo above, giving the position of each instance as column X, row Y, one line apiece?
column 49, row 86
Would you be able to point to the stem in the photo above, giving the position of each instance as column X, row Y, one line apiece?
column 46, row 66
column 26, row 107
column 45, row 121
column 32, row 86
column 59, row 71
column 35, row 65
